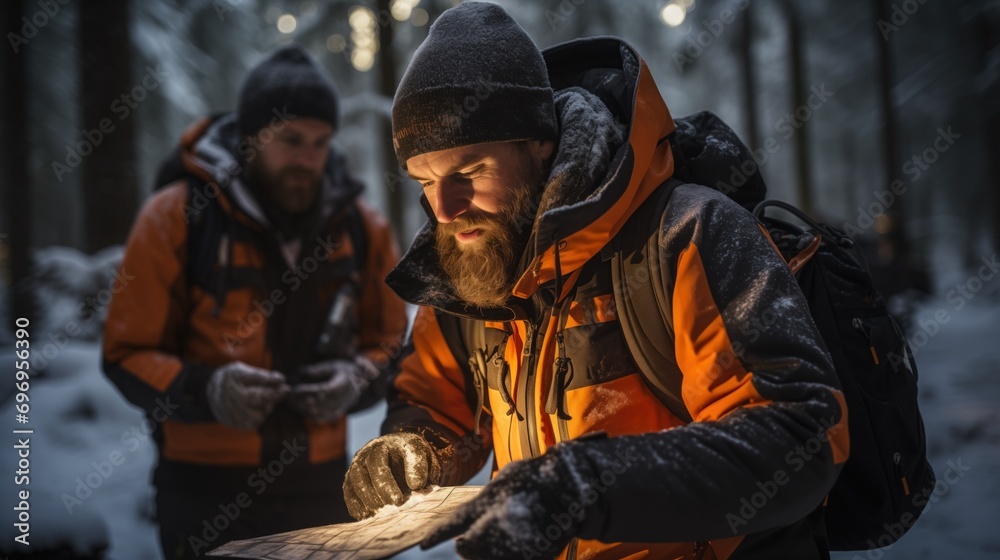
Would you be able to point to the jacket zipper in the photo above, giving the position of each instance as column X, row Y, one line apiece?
column 563, row 428
column 699, row 549
column 528, row 371
column 558, row 374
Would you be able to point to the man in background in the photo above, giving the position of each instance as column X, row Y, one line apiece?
column 258, row 317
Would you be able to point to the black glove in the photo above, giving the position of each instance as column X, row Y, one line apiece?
column 337, row 386
column 387, row 470
column 241, row 395
column 533, row 508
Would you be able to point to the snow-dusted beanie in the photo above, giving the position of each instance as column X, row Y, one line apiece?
column 287, row 84
column 477, row 78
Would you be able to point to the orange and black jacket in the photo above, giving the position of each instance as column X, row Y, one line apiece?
column 167, row 330
column 757, row 379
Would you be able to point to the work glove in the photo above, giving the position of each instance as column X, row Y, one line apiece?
column 387, row 470
column 331, row 388
column 533, row 508
column 242, row 396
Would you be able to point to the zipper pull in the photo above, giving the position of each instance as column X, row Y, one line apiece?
column 529, row 339
column 699, row 549
column 896, row 458
column 557, row 390
column 479, row 381
column 860, row 325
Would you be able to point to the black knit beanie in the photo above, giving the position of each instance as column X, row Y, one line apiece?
column 477, row 78
column 289, row 82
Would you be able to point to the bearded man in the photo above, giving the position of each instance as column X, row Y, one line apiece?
column 258, row 317
column 530, row 165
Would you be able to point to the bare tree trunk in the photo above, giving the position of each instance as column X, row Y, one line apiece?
column 108, row 101
column 909, row 269
column 749, row 79
column 16, row 241
column 803, row 169
column 986, row 37
column 992, row 149
column 387, row 87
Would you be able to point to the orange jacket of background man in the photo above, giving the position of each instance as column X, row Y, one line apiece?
column 168, row 331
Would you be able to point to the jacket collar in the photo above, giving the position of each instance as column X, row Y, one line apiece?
column 214, row 151
column 609, row 158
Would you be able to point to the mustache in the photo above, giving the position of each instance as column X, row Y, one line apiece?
column 466, row 223
column 297, row 170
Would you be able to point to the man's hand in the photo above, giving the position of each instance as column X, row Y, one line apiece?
column 506, row 520
column 338, row 386
column 242, row 396
column 387, row 470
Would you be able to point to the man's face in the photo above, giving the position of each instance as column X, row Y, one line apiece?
column 484, row 198
column 289, row 163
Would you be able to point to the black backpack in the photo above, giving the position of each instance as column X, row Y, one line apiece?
column 887, row 479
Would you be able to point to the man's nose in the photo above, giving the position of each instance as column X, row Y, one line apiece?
column 310, row 158
column 449, row 202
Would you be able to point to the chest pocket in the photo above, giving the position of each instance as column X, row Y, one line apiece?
column 594, row 344
column 591, row 348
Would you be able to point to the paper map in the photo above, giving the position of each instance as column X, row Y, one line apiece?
column 392, row 530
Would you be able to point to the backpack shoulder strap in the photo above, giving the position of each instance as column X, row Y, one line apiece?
column 643, row 300
column 359, row 240
column 467, row 340
column 205, row 231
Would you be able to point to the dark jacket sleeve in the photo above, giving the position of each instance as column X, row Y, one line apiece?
column 769, row 434
column 146, row 316
column 431, row 395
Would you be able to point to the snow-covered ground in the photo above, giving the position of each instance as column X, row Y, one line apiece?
column 80, row 420
column 82, row 425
